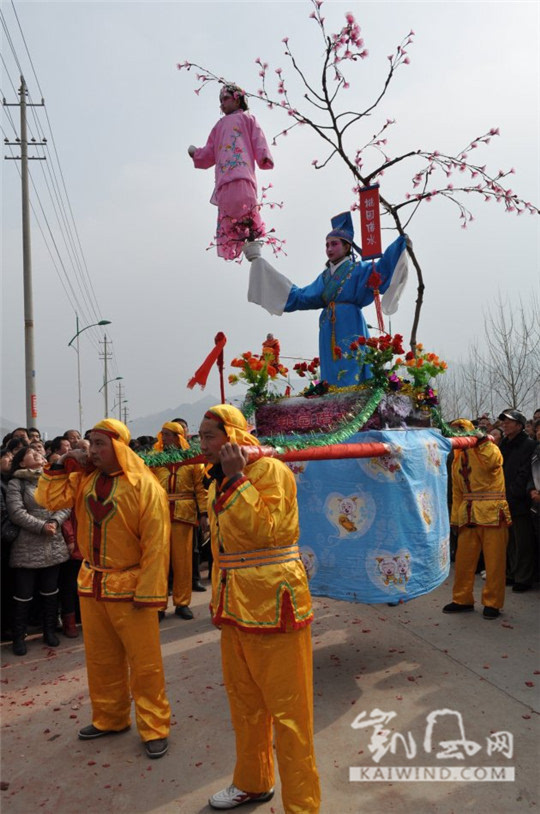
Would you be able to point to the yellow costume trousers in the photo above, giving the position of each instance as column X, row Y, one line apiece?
column 492, row 541
column 182, row 562
column 123, row 659
column 269, row 680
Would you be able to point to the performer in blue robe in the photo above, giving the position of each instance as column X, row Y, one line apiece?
column 341, row 291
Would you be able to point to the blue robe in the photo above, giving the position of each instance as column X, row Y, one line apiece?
column 349, row 300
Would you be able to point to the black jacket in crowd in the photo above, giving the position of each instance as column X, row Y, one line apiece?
column 517, row 453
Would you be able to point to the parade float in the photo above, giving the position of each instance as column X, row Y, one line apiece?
column 369, row 462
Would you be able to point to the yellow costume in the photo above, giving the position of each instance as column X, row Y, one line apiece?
column 260, row 587
column 480, row 511
column 123, row 534
column 187, row 501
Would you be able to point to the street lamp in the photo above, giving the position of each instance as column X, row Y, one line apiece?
column 76, row 349
column 104, row 385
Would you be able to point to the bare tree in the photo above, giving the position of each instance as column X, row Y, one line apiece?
column 512, row 357
column 323, row 112
column 451, row 393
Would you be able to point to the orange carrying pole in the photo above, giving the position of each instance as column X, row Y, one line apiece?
column 331, row 452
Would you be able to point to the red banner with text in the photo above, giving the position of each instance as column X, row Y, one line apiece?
column 370, row 222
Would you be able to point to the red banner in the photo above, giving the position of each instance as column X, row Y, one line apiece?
column 33, row 403
column 370, row 222
column 215, row 355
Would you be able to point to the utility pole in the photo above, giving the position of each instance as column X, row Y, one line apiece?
column 125, row 412
column 105, row 355
column 120, row 397
column 79, row 386
column 30, row 368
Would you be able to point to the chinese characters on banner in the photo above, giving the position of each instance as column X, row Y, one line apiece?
column 370, row 224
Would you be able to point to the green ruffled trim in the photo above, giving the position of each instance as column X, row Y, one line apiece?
column 169, row 456
column 283, row 443
column 446, row 429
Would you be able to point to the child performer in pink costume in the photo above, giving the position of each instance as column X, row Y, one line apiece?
column 233, row 146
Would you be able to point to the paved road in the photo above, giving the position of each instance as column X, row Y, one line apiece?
column 411, row 660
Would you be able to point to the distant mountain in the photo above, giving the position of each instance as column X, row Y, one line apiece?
column 193, row 413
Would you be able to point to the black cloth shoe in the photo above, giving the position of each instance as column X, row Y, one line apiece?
column 491, row 613
column 509, row 580
column 521, row 587
column 156, row 748
column 184, row 612
column 161, row 615
column 198, row 586
column 455, row 607
column 88, row 733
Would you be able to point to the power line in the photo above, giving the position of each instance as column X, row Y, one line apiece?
column 66, row 222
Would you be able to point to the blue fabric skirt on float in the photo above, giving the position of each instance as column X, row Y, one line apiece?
column 376, row 530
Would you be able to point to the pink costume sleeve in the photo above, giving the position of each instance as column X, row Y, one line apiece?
column 205, row 157
column 260, row 147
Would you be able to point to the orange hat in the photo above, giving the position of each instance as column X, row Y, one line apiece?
column 172, row 426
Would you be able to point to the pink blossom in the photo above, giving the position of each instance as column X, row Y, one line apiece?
column 285, row 40
column 407, row 61
column 494, row 131
column 349, row 17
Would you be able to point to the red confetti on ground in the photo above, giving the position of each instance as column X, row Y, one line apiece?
column 91, row 763
column 199, row 763
column 366, row 630
column 505, row 624
column 411, row 678
column 529, row 683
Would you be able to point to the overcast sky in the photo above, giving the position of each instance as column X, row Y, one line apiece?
column 122, row 117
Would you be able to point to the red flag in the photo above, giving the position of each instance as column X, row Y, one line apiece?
column 370, row 222
column 215, row 355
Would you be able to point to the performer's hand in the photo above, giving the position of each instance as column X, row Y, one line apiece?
column 191, row 150
column 80, row 455
column 252, row 250
column 232, row 460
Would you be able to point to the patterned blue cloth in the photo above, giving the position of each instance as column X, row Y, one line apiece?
column 376, row 530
